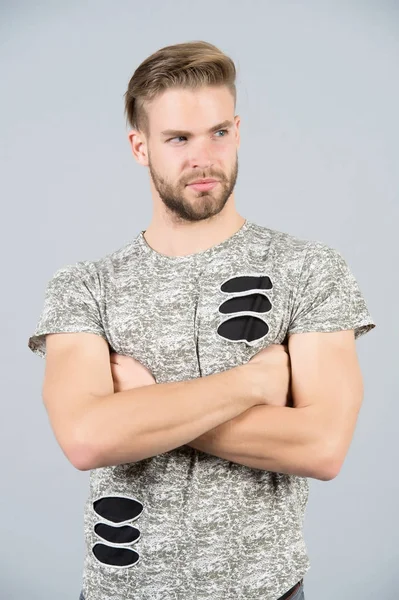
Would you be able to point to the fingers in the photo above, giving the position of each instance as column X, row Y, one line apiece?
column 116, row 359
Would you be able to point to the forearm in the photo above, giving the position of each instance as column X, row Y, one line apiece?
column 141, row 422
column 280, row 439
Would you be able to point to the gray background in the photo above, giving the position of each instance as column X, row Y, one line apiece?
column 318, row 95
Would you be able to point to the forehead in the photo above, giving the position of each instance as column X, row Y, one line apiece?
column 192, row 110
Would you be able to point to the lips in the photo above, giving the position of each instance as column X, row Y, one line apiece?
column 200, row 181
column 203, row 185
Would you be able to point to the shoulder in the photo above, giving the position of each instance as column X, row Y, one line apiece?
column 95, row 274
column 111, row 265
column 287, row 247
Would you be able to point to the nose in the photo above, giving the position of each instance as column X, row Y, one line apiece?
column 200, row 155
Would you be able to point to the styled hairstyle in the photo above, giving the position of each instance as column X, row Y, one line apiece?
column 188, row 65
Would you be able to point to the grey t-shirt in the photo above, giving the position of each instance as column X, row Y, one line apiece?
column 185, row 524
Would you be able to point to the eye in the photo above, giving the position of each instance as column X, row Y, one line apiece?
column 175, row 138
column 225, row 131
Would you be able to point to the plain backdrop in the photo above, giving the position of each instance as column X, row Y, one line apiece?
column 318, row 95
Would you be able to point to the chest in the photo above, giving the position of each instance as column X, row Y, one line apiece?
column 190, row 322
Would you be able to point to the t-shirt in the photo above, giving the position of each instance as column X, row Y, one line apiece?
column 184, row 524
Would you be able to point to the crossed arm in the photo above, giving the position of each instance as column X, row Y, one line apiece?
column 310, row 439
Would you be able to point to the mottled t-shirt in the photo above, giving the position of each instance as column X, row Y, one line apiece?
column 187, row 525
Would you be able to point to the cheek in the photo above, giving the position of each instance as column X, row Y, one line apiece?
column 227, row 156
column 171, row 166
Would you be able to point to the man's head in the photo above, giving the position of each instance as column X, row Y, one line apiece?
column 180, row 104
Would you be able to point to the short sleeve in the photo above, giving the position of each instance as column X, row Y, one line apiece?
column 328, row 297
column 70, row 306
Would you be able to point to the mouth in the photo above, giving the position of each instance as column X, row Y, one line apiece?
column 203, row 184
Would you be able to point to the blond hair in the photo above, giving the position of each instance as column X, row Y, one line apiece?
column 187, row 65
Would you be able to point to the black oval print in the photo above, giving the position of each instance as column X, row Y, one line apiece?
column 127, row 534
column 118, row 508
column 253, row 302
column 244, row 283
column 245, row 327
column 115, row 557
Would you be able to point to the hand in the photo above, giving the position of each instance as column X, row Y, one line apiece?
column 270, row 370
column 128, row 373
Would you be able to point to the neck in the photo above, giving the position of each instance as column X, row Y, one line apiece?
column 179, row 239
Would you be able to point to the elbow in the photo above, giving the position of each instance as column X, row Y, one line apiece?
column 81, row 458
column 79, row 451
column 328, row 465
column 329, row 471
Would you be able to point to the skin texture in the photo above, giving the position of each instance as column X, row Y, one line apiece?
column 311, row 437
column 129, row 373
column 226, row 440
column 317, row 429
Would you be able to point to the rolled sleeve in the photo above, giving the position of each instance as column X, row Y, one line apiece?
column 70, row 306
column 328, row 297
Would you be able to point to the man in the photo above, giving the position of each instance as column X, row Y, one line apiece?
column 205, row 370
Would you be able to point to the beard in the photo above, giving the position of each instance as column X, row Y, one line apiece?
column 203, row 204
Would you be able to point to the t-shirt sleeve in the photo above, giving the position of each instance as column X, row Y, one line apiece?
column 328, row 297
column 70, row 306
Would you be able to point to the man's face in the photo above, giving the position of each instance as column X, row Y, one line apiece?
column 193, row 135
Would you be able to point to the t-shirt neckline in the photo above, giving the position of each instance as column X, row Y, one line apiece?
column 225, row 244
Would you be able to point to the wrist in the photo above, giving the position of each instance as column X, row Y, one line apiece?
column 250, row 391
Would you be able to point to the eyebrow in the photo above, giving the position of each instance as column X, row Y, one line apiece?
column 178, row 132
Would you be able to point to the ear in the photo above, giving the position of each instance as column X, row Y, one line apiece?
column 138, row 144
column 237, row 121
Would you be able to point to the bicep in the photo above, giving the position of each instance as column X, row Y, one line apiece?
column 327, row 381
column 77, row 372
